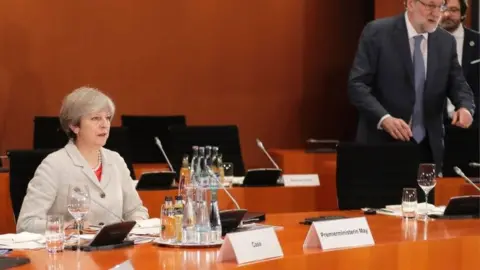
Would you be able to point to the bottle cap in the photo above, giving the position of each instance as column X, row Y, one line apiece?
column 178, row 198
column 168, row 198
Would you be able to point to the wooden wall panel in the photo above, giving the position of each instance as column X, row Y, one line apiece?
column 386, row 8
column 277, row 69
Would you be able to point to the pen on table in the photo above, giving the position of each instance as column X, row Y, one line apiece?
column 250, row 221
column 384, row 210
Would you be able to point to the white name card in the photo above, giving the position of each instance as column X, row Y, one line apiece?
column 250, row 246
column 339, row 233
column 301, row 180
column 126, row 265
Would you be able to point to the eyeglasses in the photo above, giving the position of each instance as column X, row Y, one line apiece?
column 433, row 7
column 451, row 10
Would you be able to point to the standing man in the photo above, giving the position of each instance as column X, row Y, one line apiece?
column 404, row 69
column 468, row 49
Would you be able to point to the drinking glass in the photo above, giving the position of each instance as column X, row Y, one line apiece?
column 54, row 234
column 78, row 204
column 409, row 228
column 202, row 217
column 227, row 174
column 188, row 220
column 409, row 202
column 55, row 261
column 426, row 179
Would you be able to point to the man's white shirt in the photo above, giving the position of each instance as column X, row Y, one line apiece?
column 423, row 47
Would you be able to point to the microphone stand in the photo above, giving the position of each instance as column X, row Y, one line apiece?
column 260, row 145
column 461, row 174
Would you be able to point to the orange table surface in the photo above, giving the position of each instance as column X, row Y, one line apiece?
column 262, row 199
column 438, row 244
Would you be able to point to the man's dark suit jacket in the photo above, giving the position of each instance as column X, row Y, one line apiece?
column 382, row 81
column 471, row 52
column 461, row 145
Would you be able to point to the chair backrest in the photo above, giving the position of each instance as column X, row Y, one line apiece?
column 1, row 166
column 118, row 141
column 375, row 175
column 461, row 148
column 143, row 129
column 225, row 137
column 47, row 133
column 23, row 164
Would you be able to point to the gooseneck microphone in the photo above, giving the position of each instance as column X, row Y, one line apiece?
column 212, row 174
column 260, row 145
column 159, row 144
column 311, row 140
column 77, row 189
column 461, row 174
column 475, row 62
column 474, row 164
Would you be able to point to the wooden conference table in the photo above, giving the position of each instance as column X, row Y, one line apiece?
column 261, row 199
column 437, row 244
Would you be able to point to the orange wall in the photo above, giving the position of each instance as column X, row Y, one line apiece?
column 385, row 8
column 277, row 69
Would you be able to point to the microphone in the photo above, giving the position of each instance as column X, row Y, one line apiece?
column 260, row 145
column 461, row 174
column 475, row 62
column 77, row 189
column 159, row 144
column 235, row 212
column 474, row 164
column 212, row 174
column 311, row 140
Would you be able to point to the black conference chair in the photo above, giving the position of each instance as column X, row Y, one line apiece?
column 23, row 164
column 461, row 148
column 118, row 142
column 375, row 175
column 47, row 133
column 143, row 129
column 2, row 170
column 225, row 137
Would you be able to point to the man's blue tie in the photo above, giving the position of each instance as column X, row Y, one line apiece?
column 418, row 128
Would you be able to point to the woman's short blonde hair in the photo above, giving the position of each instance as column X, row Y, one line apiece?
column 80, row 102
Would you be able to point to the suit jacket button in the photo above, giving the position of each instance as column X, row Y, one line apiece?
column 102, row 195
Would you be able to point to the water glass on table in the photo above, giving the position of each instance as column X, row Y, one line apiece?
column 78, row 204
column 409, row 202
column 54, row 234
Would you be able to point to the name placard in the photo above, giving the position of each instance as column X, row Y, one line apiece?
column 301, row 180
column 339, row 233
column 250, row 246
column 126, row 265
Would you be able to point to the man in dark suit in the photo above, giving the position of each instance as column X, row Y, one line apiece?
column 404, row 69
column 461, row 145
column 468, row 49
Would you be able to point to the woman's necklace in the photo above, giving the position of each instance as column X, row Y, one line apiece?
column 99, row 161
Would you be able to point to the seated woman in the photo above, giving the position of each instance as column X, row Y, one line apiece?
column 85, row 117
